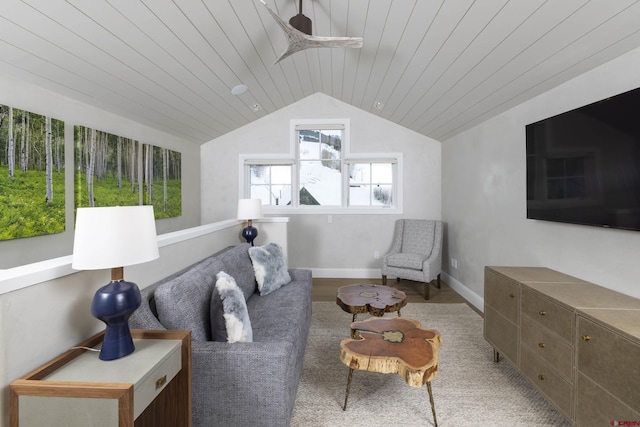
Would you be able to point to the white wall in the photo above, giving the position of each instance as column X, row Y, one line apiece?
column 25, row 96
column 345, row 247
column 484, row 196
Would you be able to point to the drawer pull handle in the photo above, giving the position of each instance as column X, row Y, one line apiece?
column 541, row 345
column 160, row 382
column 541, row 377
column 586, row 338
column 512, row 295
column 542, row 313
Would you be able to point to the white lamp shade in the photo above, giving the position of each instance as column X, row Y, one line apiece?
column 112, row 237
column 249, row 208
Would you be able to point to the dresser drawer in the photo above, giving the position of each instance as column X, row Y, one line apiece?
column 503, row 294
column 595, row 407
column 539, row 373
column 551, row 348
column 610, row 360
column 502, row 334
column 548, row 313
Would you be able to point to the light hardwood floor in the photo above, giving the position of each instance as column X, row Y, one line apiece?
column 326, row 289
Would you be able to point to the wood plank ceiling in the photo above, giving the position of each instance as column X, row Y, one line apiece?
column 434, row 66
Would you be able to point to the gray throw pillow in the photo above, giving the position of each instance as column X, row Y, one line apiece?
column 236, row 315
column 269, row 267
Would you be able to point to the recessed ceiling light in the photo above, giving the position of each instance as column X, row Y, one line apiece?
column 239, row 89
column 379, row 105
column 256, row 107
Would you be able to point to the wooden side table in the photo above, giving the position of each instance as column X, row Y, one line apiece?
column 393, row 346
column 368, row 298
column 150, row 387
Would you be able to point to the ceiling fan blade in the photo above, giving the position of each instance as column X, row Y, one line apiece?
column 299, row 41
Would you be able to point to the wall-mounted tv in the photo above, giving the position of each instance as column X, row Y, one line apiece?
column 583, row 166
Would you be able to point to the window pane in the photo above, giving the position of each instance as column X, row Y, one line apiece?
column 320, row 183
column 360, row 195
column 382, row 173
column 360, row 173
column 320, row 166
column 271, row 184
column 382, row 195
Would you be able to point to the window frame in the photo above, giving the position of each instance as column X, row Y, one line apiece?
column 292, row 158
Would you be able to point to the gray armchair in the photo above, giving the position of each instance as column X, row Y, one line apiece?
column 416, row 253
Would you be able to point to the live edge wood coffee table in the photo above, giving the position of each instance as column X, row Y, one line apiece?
column 393, row 346
column 368, row 298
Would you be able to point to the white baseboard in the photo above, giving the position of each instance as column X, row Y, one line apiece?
column 374, row 273
column 346, row 273
column 466, row 293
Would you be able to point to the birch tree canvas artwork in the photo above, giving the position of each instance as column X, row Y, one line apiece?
column 32, row 199
column 111, row 170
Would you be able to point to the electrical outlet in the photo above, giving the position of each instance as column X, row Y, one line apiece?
column 376, row 254
column 455, row 263
column 330, row 219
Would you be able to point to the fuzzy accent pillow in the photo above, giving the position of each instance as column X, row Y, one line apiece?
column 270, row 267
column 236, row 315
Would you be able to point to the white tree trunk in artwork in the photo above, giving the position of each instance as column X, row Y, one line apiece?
column 91, row 166
column 165, row 171
column 12, row 145
column 119, row 161
column 48, row 159
column 23, row 149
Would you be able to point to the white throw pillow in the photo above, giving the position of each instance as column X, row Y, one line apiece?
column 236, row 315
column 269, row 267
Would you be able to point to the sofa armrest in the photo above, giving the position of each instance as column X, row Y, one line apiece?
column 300, row 274
column 243, row 383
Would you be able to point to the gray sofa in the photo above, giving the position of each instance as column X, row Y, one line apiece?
column 235, row 384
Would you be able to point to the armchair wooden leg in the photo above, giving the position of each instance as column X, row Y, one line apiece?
column 438, row 282
column 426, row 290
column 384, row 279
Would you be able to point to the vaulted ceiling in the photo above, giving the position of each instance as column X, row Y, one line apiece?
column 434, row 66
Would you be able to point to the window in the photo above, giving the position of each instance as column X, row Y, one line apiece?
column 320, row 174
column 320, row 166
column 371, row 184
column 271, row 183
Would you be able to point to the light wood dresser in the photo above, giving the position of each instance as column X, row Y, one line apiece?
column 576, row 342
column 150, row 387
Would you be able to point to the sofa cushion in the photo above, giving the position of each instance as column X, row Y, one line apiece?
column 269, row 267
column 236, row 316
column 237, row 264
column 183, row 302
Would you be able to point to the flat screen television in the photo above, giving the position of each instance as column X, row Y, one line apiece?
column 583, row 166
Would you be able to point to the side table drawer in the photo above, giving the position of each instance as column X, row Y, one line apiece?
column 548, row 347
column 156, row 381
column 538, row 372
column 548, row 313
column 502, row 294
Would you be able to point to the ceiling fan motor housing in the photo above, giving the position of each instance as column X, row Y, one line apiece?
column 301, row 23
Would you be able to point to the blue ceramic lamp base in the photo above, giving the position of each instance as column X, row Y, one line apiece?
column 250, row 233
column 114, row 304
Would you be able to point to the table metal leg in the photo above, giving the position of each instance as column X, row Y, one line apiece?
column 355, row 316
column 433, row 407
column 346, row 396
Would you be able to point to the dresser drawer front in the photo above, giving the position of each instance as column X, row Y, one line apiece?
column 551, row 348
column 595, row 407
column 548, row 313
column 558, row 391
column 610, row 360
column 501, row 334
column 156, row 381
column 503, row 294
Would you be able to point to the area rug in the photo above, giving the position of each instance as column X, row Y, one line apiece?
column 469, row 390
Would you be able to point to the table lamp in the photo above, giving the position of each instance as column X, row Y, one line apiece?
column 249, row 209
column 114, row 237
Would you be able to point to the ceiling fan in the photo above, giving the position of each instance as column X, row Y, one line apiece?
column 298, row 33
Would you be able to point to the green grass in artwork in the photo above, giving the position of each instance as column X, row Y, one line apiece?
column 107, row 193
column 24, row 211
